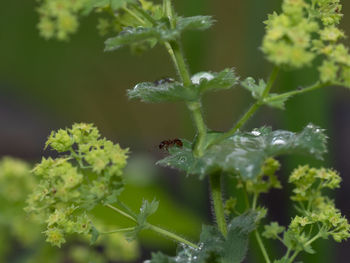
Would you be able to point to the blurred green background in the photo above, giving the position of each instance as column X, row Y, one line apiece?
column 45, row 85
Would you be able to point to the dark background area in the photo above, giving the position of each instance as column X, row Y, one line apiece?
column 45, row 85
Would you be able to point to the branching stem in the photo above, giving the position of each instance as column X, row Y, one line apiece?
column 252, row 109
column 152, row 227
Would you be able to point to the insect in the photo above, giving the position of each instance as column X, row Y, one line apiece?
column 170, row 143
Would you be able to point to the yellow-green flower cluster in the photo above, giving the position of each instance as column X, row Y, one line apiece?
column 316, row 208
column 305, row 30
column 59, row 18
column 89, row 173
column 267, row 178
column 16, row 182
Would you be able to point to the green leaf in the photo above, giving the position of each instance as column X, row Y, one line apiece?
column 245, row 153
column 94, row 235
column 276, row 103
column 194, row 23
column 236, row 245
column 214, row 247
column 146, row 210
column 162, row 91
column 139, row 35
column 159, row 33
column 168, row 90
column 208, row 81
column 257, row 89
column 273, row 230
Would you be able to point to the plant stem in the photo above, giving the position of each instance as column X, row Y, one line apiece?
column 262, row 247
column 180, row 63
column 252, row 109
column 297, row 92
column 294, row 256
column 154, row 228
column 144, row 14
column 215, row 185
column 121, row 212
column 171, row 235
column 134, row 15
column 127, row 229
column 255, row 200
column 195, row 107
column 271, row 81
column 239, row 124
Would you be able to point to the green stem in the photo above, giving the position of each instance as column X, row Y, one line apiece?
column 252, row 109
column 297, row 92
column 154, row 228
column 262, row 247
column 134, row 15
column 127, row 229
column 195, row 107
column 144, row 14
column 171, row 235
column 122, row 212
column 294, row 256
column 180, row 64
column 168, row 11
column 215, row 184
column 239, row 124
column 255, row 200
column 313, row 239
column 271, row 81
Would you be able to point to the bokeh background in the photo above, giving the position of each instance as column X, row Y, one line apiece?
column 45, row 85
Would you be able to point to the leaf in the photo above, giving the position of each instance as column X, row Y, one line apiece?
column 245, row 153
column 194, row 23
column 94, row 235
column 146, row 210
column 159, row 33
column 276, row 103
column 208, row 81
column 214, row 247
column 236, row 245
column 168, row 90
column 163, row 91
column 139, row 35
column 257, row 90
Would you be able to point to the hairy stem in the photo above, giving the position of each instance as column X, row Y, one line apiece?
column 180, row 63
column 215, row 185
column 154, row 228
column 195, row 107
column 262, row 247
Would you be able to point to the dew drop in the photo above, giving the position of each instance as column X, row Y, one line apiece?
column 278, row 142
column 256, row 133
column 196, row 79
